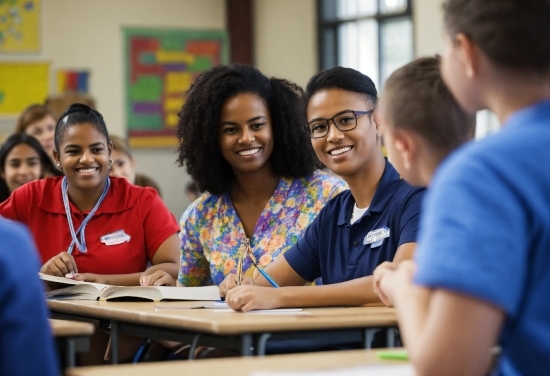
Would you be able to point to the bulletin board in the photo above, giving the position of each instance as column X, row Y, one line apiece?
column 161, row 64
column 19, row 26
column 22, row 84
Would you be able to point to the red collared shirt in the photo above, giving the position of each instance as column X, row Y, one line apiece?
column 138, row 212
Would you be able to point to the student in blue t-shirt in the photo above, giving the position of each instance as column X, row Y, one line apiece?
column 26, row 342
column 482, row 275
column 375, row 221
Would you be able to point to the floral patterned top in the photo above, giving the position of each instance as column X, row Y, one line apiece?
column 212, row 235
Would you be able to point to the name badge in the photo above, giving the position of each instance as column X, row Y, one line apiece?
column 376, row 237
column 114, row 238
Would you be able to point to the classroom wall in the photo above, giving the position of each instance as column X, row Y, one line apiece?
column 286, row 38
column 428, row 27
column 88, row 35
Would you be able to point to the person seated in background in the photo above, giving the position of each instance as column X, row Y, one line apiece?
column 421, row 124
column 192, row 191
column 38, row 121
column 58, row 103
column 124, row 165
column 26, row 342
column 22, row 160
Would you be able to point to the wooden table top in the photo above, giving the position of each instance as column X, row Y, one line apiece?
column 68, row 328
column 245, row 366
column 186, row 316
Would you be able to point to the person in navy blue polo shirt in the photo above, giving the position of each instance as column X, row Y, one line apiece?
column 375, row 221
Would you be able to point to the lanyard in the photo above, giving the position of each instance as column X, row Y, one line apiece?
column 82, row 244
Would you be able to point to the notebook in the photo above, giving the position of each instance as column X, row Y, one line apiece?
column 97, row 291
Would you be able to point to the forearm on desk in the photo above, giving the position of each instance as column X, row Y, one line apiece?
column 356, row 292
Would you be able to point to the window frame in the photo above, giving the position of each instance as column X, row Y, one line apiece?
column 332, row 25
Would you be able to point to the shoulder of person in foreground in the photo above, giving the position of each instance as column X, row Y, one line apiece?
column 26, row 343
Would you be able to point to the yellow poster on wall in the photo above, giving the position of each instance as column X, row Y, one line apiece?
column 19, row 25
column 22, row 84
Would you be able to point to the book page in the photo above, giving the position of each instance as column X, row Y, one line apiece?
column 190, row 293
column 158, row 293
column 74, row 292
column 68, row 281
column 277, row 311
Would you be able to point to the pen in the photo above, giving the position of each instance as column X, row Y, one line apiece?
column 240, row 270
column 260, row 269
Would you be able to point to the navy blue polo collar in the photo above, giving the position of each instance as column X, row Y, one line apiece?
column 386, row 188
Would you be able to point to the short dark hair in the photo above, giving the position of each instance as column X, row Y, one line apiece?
column 199, row 121
column 341, row 78
column 514, row 34
column 18, row 139
column 79, row 113
column 416, row 98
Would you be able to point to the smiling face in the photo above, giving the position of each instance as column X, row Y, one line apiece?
column 22, row 166
column 345, row 153
column 123, row 166
column 245, row 135
column 43, row 130
column 84, row 156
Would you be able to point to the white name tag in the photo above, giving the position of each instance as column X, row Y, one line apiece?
column 114, row 238
column 375, row 237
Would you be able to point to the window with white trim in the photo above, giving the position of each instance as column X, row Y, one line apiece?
column 373, row 36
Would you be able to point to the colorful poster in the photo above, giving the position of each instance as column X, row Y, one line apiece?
column 22, row 84
column 160, row 67
column 72, row 81
column 19, row 25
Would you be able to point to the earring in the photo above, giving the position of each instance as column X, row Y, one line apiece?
column 59, row 165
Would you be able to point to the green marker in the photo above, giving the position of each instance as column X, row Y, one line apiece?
column 393, row 355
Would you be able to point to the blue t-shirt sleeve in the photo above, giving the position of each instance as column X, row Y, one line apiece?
column 410, row 217
column 473, row 231
column 303, row 256
column 26, row 342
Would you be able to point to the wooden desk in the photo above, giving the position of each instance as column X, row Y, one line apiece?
column 245, row 366
column 244, row 332
column 72, row 337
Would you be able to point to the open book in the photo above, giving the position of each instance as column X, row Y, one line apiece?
column 94, row 291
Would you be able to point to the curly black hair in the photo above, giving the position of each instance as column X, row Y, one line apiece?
column 199, row 121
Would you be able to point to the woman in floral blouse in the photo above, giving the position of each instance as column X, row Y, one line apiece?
column 242, row 140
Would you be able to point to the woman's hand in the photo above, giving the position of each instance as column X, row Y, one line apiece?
column 230, row 282
column 246, row 298
column 60, row 265
column 88, row 277
column 158, row 278
column 381, row 271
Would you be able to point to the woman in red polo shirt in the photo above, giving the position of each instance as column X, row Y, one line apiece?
column 89, row 226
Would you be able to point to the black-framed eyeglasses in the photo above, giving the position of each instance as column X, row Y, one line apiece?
column 344, row 121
